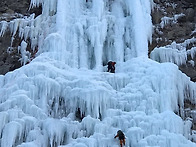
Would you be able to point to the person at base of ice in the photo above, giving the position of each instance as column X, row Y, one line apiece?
column 111, row 67
column 121, row 137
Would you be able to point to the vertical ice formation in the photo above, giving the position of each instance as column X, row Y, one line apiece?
column 98, row 31
column 93, row 32
column 25, row 54
column 57, row 100
column 3, row 25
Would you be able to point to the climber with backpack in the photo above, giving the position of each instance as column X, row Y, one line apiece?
column 121, row 137
column 111, row 67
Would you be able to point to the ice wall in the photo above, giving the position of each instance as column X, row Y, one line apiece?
column 93, row 32
column 40, row 106
column 98, row 31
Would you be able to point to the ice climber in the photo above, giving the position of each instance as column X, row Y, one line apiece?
column 111, row 67
column 121, row 137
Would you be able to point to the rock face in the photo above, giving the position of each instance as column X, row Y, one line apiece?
column 8, row 60
column 18, row 8
column 183, row 13
column 181, row 27
column 180, row 31
column 9, row 9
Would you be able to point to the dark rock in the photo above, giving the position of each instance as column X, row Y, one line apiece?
column 182, row 19
column 156, row 16
column 162, row 1
column 190, row 1
column 10, row 60
column 10, row 10
column 156, row 1
column 4, row 68
column 173, row 32
column 190, row 14
column 178, row 32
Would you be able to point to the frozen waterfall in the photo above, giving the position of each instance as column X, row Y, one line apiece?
column 65, row 98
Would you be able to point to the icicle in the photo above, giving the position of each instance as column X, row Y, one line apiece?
column 11, row 134
column 35, row 3
column 25, row 54
column 3, row 28
column 169, row 55
column 170, row 20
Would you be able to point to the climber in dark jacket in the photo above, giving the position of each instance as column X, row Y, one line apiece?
column 121, row 137
column 111, row 67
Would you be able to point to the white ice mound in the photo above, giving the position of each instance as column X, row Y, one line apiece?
column 39, row 103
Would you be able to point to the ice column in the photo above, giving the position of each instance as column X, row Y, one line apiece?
column 141, row 26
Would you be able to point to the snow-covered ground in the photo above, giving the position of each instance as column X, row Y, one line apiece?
column 144, row 98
